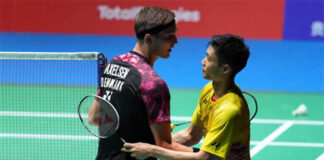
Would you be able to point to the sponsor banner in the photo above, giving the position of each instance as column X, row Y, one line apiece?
column 304, row 20
column 250, row 19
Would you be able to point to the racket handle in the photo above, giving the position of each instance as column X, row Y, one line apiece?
column 122, row 139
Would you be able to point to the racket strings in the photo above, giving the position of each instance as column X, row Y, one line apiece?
column 108, row 120
column 102, row 122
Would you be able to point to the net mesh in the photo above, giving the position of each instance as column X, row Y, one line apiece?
column 39, row 95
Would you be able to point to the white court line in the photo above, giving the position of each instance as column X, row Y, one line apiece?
column 296, row 144
column 47, row 136
column 39, row 114
column 281, row 121
column 321, row 157
column 291, row 144
column 271, row 137
column 173, row 118
column 180, row 118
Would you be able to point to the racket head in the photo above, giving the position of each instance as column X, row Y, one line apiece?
column 98, row 116
column 252, row 104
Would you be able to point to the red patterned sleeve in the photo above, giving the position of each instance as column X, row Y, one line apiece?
column 156, row 96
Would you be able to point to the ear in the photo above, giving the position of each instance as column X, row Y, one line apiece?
column 227, row 69
column 148, row 38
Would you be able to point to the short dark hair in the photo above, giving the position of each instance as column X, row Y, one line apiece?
column 231, row 50
column 152, row 20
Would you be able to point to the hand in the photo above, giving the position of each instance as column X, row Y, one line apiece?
column 138, row 150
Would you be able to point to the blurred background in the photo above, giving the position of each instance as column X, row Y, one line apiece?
column 285, row 36
column 285, row 69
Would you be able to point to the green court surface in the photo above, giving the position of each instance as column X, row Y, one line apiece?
column 40, row 122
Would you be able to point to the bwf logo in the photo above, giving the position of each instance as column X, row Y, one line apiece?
column 317, row 29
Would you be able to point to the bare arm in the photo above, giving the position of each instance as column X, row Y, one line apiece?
column 144, row 150
column 162, row 136
column 94, row 114
column 189, row 136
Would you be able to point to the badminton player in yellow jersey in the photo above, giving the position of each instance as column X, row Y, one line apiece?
column 221, row 116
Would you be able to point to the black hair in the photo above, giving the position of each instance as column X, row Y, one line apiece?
column 231, row 50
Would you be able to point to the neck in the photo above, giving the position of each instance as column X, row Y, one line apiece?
column 143, row 50
column 222, row 87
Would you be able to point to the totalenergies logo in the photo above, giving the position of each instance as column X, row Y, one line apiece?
column 117, row 13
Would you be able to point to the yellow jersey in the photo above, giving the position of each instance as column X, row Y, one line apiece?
column 225, row 123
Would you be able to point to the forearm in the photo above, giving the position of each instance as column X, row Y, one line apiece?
column 181, row 137
column 145, row 150
column 179, row 147
column 162, row 137
column 165, row 154
column 94, row 117
column 185, row 138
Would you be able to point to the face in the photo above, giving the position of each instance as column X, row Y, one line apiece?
column 210, row 66
column 163, row 42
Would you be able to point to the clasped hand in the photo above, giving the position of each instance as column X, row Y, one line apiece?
column 137, row 150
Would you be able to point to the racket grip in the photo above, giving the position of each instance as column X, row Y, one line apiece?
column 122, row 139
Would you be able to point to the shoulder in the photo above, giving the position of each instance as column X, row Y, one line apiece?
column 233, row 103
column 128, row 58
column 152, row 82
column 207, row 89
column 209, row 85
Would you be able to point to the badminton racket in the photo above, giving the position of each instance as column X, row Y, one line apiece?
column 98, row 116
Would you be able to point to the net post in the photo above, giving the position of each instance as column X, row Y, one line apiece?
column 102, row 62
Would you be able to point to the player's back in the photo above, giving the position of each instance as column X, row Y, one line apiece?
column 130, row 84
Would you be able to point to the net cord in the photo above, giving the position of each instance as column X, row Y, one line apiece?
column 50, row 55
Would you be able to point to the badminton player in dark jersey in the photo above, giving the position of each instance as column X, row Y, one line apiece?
column 139, row 95
column 221, row 115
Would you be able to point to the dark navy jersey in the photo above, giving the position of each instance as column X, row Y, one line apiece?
column 140, row 97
